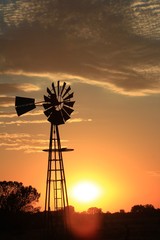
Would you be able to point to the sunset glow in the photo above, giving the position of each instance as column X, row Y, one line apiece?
column 108, row 52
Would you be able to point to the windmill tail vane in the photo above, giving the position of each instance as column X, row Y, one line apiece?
column 24, row 105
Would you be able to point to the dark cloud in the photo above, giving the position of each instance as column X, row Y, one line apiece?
column 112, row 42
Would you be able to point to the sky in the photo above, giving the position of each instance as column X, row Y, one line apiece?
column 109, row 52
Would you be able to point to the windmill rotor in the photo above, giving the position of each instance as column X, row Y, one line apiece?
column 58, row 103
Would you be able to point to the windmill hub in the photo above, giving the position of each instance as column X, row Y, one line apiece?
column 53, row 99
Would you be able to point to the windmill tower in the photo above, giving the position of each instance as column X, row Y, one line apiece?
column 58, row 106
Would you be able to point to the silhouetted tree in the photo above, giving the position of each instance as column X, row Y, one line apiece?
column 94, row 210
column 148, row 208
column 14, row 197
column 137, row 209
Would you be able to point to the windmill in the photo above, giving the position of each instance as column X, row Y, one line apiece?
column 58, row 106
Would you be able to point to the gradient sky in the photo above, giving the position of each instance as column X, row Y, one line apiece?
column 109, row 51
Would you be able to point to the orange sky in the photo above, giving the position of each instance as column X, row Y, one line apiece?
column 112, row 65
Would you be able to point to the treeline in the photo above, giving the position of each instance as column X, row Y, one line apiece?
column 146, row 209
column 90, row 225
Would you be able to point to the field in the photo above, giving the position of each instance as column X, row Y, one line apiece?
column 81, row 226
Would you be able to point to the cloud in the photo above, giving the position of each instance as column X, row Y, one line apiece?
column 7, row 115
column 28, row 143
column 14, row 135
column 19, row 122
column 13, row 115
column 7, row 89
column 23, row 141
column 78, row 120
column 8, row 144
column 6, row 101
column 114, row 44
column 26, row 148
column 17, row 87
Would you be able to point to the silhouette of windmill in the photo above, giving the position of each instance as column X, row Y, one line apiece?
column 58, row 106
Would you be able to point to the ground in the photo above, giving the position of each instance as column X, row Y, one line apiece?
column 117, row 226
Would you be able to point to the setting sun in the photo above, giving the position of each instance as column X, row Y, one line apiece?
column 85, row 191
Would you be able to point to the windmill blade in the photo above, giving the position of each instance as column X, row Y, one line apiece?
column 24, row 105
column 49, row 110
column 54, row 99
column 54, row 90
column 58, row 87
column 70, row 104
column 65, row 115
column 56, row 117
column 50, row 101
column 49, row 91
column 67, row 90
column 68, row 110
column 69, row 96
column 63, row 87
column 47, row 99
column 47, row 105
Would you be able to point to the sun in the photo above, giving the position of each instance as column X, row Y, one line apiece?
column 85, row 192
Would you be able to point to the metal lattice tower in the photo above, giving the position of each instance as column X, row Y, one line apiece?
column 56, row 181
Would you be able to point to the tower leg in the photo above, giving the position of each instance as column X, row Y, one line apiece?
column 56, row 199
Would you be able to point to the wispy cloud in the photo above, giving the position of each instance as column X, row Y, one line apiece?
column 19, row 122
column 25, row 148
column 8, row 144
column 115, row 44
column 28, row 143
column 13, row 115
column 22, row 141
column 17, row 87
column 6, row 115
column 14, row 135
column 6, row 101
column 78, row 120
column 7, row 90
